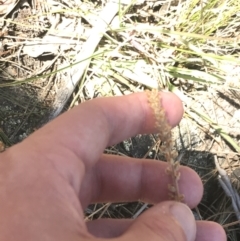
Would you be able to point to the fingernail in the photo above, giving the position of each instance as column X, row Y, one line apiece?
column 185, row 218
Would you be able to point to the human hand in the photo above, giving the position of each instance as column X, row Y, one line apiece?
column 51, row 177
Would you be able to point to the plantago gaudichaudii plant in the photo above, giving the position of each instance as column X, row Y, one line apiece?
column 165, row 135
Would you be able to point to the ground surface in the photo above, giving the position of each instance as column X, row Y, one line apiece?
column 40, row 44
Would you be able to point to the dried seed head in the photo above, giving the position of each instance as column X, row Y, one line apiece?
column 164, row 132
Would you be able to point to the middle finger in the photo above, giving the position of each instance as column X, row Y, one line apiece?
column 124, row 179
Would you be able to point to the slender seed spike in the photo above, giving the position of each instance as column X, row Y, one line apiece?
column 165, row 135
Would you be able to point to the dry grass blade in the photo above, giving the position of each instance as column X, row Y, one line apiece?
column 106, row 16
column 190, row 47
column 219, row 130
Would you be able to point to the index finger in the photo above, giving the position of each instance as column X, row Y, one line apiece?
column 73, row 142
column 90, row 127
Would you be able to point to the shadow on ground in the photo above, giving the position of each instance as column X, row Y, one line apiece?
column 21, row 112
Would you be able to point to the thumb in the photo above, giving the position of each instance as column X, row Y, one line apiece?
column 166, row 221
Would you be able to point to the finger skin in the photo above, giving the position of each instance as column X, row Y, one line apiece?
column 35, row 186
column 36, row 203
column 108, row 228
column 96, row 124
column 112, row 228
column 166, row 221
column 124, row 179
column 76, row 139
column 208, row 231
column 41, row 176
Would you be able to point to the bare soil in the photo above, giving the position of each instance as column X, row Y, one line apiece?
column 26, row 107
